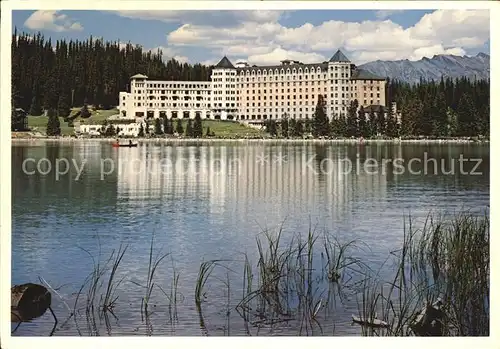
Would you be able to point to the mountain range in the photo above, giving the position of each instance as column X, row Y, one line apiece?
column 473, row 67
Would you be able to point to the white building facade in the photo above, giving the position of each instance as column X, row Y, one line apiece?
column 257, row 93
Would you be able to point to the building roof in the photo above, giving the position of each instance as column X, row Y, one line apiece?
column 361, row 74
column 139, row 76
column 225, row 63
column 339, row 57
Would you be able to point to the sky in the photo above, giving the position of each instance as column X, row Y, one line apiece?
column 265, row 37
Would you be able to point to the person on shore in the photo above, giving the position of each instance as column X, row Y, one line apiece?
column 130, row 142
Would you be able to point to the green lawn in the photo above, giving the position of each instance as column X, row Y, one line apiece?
column 227, row 129
column 39, row 123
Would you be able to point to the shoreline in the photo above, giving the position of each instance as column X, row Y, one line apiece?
column 250, row 140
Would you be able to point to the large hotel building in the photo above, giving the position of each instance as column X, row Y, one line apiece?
column 256, row 93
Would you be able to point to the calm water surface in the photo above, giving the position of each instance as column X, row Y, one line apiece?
column 206, row 202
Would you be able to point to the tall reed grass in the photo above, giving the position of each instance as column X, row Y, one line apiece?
column 290, row 284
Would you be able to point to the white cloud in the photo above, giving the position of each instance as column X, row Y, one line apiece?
column 440, row 32
column 209, row 62
column 215, row 17
column 279, row 54
column 53, row 21
column 382, row 14
column 430, row 51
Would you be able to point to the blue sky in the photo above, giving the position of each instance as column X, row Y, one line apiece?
column 266, row 37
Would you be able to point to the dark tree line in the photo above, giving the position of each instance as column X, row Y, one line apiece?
column 58, row 76
column 445, row 108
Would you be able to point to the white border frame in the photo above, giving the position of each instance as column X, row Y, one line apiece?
column 133, row 342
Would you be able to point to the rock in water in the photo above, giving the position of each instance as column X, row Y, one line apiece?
column 29, row 301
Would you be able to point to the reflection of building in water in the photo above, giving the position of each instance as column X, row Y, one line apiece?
column 235, row 178
column 153, row 172
column 292, row 179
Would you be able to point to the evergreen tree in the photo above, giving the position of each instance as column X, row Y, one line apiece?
column 271, row 128
column 36, row 107
column 466, row 113
column 440, row 127
column 141, row 131
column 284, row 127
column 381, row 122
column 197, row 127
column 307, row 126
column 343, row 126
column 292, row 128
column 321, row 126
column 352, row 120
column 372, row 124
column 452, row 122
column 208, row 132
column 63, row 108
column 299, row 128
column 158, row 130
column 334, row 127
column 169, row 126
column 179, row 129
column 392, row 127
column 362, row 124
column 53, row 124
column 189, row 128
column 85, row 112
column 166, row 125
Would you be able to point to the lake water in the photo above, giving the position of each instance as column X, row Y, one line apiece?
column 211, row 201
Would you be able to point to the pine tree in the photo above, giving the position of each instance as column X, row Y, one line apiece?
column 166, row 126
column 36, row 107
column 452, row 122
column 84, row 112
column 372, row 124
column 179, row 129
column 362, row 125
column 381, row 122
column 440, row 126
column 307, row 126
column 197, row 127
column 467, row 114
column 53, row 124
column 208, row 134
column 292, row 128
column 392, row 127
column 299, row 128
column 141, row 131
column 320, row 127
column 352, row 120
column 63, row 108
column 271, row 127
column 158, row 130
column 334, row 127
column 189, row 128
column 284, row 127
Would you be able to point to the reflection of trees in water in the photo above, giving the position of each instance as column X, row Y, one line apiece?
column 33, row 193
